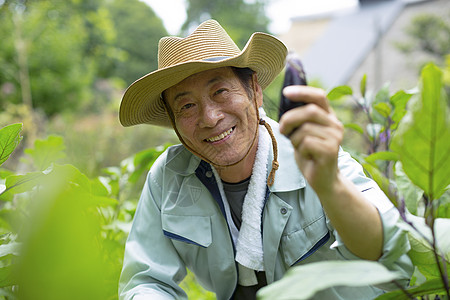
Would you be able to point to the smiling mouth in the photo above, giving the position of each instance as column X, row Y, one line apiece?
column 220, row 136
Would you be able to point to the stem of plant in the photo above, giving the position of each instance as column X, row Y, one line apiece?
column 441, row 268
column 407, row 294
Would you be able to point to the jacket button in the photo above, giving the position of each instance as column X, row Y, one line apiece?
column 283, row 210
column 208, row 174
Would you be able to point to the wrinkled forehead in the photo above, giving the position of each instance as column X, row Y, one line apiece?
column 198, row 80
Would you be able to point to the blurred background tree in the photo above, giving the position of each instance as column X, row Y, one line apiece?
column 138, row 32
column 240, row 18
column 55, row 53
column 430, row 34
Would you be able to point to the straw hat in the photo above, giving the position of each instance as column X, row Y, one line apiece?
column 208, row 47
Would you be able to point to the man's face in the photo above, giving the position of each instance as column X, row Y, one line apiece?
column 214, row 115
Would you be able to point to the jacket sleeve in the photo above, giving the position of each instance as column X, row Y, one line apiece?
column 152, row 268
column 395, row 241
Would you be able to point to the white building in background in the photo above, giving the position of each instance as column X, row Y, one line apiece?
column 339, row 48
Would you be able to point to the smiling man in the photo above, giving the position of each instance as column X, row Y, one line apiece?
column 238, row 203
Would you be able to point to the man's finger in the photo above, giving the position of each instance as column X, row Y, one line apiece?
column 307, row 94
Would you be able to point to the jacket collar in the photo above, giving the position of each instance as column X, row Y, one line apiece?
column 181, row 161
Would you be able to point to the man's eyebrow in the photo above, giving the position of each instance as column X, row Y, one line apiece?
column 213, row 80
column 181, row 94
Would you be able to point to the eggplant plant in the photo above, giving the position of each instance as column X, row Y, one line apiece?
column 409, row 157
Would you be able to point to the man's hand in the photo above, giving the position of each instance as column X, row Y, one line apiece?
column 315, row 133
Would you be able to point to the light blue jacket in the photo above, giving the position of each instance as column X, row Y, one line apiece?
column 180, row 223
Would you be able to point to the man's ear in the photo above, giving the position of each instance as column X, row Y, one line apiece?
column 257, row 90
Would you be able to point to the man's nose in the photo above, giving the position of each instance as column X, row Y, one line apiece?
column 210, row 114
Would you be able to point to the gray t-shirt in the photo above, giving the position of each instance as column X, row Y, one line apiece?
column 235, row 193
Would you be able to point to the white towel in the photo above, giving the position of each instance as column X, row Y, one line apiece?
column 249, row 248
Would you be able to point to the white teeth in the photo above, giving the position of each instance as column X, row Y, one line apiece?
column 220, row 136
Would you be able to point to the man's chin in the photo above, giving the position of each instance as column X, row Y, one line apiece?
column 226, row 161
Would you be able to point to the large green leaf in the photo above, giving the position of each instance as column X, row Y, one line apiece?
column 422, row 139
column 61, row 256
column 9, row 139
column 434, row 286
column 303, row 282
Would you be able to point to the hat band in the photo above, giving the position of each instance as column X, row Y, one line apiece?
column 217, row 58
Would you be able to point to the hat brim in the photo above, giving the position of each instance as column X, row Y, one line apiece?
column 142, row 104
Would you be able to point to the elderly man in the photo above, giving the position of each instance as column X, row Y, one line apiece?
column 243, row 199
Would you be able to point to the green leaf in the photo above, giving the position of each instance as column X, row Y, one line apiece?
column 444, row 210
column 7, row 250
column 6, row 278
column 381, row 155
column 422, row 256
column 46, row 152
column 9, row 139
column 421, row 252
column 399, row 101
column 422, row 139
column 61, row 241
column 380, row 179
column 143, row 161
column 303, row 282
column 16, row 184
column 98, row 188
column 362, row 85
column 339, row 92
column 5, row 173
column 382, row 95
column 410, row 192
column 355, row 127
column 430, row 287
column 383, row 109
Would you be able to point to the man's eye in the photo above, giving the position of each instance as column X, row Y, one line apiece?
column 219, row 91
column 187, row 106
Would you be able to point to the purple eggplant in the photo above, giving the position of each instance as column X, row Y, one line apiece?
column 294, row 75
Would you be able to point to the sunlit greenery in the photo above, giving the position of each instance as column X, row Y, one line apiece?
column 71, row 176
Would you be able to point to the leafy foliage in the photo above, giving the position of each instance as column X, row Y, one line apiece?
column 409, row 131
column 72, row 228
column 422, row 139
